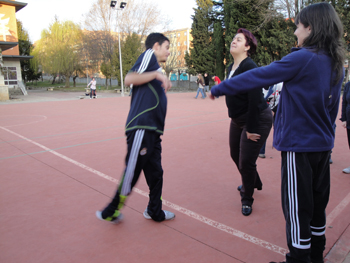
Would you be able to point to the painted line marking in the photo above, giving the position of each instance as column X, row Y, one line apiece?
column 339, row 208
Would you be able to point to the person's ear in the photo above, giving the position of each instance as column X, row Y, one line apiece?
column 247, row 48
column 156, row 46
column 308, row 30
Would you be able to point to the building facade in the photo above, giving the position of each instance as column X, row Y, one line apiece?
column 10, row 74
column 180, row 41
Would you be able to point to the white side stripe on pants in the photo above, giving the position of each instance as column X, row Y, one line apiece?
column 130, row 169
column 293, row 204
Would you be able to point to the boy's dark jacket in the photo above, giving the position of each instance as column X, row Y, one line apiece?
column 148, row 102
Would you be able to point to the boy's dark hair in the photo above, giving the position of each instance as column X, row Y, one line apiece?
column 326, row 32
column 154, row 38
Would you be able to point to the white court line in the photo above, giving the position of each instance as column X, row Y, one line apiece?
column 11, row 116
column 338, row 209
column 203, row 219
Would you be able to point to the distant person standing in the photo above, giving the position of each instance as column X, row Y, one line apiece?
column 206, row 83
column 92, row 85
column 200, row 89
column 216, row 80
column 345, row 115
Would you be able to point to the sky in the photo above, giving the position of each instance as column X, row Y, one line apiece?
column 39, row 14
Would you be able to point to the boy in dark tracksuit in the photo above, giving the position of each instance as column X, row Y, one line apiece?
column 144, row 126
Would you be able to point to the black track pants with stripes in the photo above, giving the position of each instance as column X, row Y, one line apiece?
column 305, row 195
column 144, row 154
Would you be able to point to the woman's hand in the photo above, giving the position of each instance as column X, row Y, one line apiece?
column 344, row 124
column 253, row 136
column 211, row 96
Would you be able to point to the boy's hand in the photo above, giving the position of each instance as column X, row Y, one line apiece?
column 166, row 84
column 344, row 124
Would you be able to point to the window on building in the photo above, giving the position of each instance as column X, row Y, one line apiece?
column 178, row 34
column 185, row 33
column 10, row 75
column 178, row 43
column 179, row 53
column 185, row 43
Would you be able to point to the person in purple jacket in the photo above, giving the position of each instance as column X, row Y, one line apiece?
column 312, row 75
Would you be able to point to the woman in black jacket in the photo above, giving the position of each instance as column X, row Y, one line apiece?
column 251, row 120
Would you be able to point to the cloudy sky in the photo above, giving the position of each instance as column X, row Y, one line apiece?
column 38, row 14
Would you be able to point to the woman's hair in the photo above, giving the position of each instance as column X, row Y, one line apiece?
column 154, row 38
column 250, row 40
column 201, row 77
column 326, row 32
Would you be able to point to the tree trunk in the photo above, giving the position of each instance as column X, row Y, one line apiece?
column 53, row 80
column 296, row 5
column 67, row 81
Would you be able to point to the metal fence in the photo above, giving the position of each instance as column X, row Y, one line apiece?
column 183, row 84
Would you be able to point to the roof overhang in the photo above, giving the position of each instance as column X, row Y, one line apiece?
column 16, row 4
column 17, row 57
column 4, row 45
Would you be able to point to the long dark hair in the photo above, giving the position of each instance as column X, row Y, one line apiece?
column 326, row 32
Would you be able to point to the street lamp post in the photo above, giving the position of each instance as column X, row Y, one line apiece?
column 121, row 7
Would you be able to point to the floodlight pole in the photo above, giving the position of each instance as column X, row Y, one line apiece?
column 120, row 60
column 122, row 6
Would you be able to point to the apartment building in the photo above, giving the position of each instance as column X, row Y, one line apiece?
column 180, row 41
column 10, row 75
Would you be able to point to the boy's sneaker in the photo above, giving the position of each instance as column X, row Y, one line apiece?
column 116, row 220
column 168, row 215
column 146, row 215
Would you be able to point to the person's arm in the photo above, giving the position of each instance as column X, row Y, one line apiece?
column 276, row 72
column 134, row 78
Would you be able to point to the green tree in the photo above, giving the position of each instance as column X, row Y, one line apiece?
column 219, row 49
column 250, row 14
column 275, row 40
column 58, row 51
column 201, row 58
column 25, row 46
column 106, row 69
column 131, row 49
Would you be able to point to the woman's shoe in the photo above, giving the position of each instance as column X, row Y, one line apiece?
column 347, row 170
column 246, row 210
column 240, row 187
